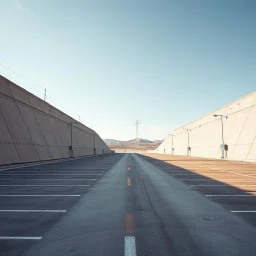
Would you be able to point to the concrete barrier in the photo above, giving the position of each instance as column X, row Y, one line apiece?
column 204, row 137
column 33, row 130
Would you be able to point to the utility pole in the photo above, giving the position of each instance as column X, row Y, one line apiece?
column 71, row 138
column 172, row 144
column 137, row 128
column 223, row 146
column 188, row 148
column 45, row 94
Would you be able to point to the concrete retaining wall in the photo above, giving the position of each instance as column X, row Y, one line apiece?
column 204, row 136
column 33, row 130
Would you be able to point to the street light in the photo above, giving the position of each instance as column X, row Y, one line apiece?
column 188, row 149
column 222, row 132
column 94, row 149
column 71, row 137
column 172, row 144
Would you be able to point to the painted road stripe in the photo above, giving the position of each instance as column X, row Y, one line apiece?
column 129, row 182
column 129, row 246
column 129, row 223
column 61, row 171
column 249, row 180
column 227, row 195
column 48, row 174
column 20, row 166
column 39, row 195
column 20, row 237
column 50, row 211
column 245, row 175
column 44, row 172
column 43, row 185
column 222, row 185
column 48, row 179
column 185, row 174
column 129, row 168
column 243, row 211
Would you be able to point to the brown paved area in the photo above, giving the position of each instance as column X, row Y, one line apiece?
column 230, row 183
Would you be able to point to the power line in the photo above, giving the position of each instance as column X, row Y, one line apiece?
column 24, row 79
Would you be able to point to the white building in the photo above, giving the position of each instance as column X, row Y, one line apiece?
column 207, row 136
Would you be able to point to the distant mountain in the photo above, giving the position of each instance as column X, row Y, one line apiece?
column 158, row 141
column 136, row 141
column 112, row 142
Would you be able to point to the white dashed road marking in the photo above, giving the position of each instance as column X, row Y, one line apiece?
column 37, row 195
column 20, row 237
column 46, row 174
column 129, row 246
column 226, row 195
column 49, row 179
column 44, row 185
column 245, row 185
column 243, row 211
column 50, row 211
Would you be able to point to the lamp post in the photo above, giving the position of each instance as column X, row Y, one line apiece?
column 94, row 149
column 188, row 149
column 71, row 137
column 172, row 144
column 222, row 132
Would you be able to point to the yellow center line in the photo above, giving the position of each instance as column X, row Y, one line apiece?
column 129, row 182
column 129, row 223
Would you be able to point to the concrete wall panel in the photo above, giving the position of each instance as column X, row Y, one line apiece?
column 9, row 154
column 32, row 125
column 5, row 87
column 239, row 133
column 20, row 94
column 33, row 130
column 55, row 151
column 252, row 152
column 44, row 123
column 14, row 121
column 248, row 132
column 35, row 103
column 5, row 136
column 27, row 152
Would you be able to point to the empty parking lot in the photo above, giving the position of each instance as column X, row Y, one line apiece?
column 229, row 183
column 33, row 199
column 129, row 204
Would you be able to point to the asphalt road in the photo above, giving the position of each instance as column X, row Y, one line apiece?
column 123, row 204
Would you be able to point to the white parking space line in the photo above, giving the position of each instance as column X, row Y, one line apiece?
column 228, row 195
column 20, row 166
column 46, row 211
column 50, row 174
column 207, row 185
column 43, row 185
column 220, row 180
column 196, row 179
column 10, row 195
column 245, row 175
column 49, row 179
column 185, row 174
column 20, row 237
column 243, row 211
column 129, row 246
column 47, row 171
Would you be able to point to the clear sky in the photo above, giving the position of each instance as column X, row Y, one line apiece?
column 165, row 63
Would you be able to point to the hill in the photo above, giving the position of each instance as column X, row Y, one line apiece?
column 138, row 144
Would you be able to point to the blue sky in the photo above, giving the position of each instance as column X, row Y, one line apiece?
column 165, row 63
